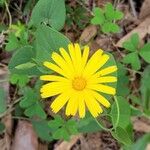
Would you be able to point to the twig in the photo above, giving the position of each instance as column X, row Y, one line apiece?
column 133, row 8
column 83, row 5
column 10, row 109
column 9, row 15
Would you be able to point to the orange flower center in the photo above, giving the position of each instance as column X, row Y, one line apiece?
column 79, row 83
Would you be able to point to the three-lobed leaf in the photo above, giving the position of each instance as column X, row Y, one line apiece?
column 145, row 52
column 133, row 59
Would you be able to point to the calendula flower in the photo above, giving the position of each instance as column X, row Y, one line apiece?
column 79, row 81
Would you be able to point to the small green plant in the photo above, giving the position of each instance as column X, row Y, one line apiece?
column 134, row 51
column 33, row 46
column 106, row 18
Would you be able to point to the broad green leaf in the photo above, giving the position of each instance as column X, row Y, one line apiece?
column 122, row 136
column 42, row 129
column 2, row 100
column 27, row 65
column 48, row 40
column 133, row 59
column 2, row 127
column 98, row 16
column 145, row 88
column 124, row 112
column 35, row 110
column 51, row 12
column 123, row 81
column 22, row 56
column 145, row 52
column 19, row 79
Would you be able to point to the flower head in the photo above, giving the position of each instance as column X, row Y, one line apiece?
column 79, row 82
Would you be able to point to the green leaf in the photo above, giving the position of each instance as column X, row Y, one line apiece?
column 98, row 16
column 133, row 59
column 31, row 103
column 29, row 97
column 35, row 111
column 123, row 81
column 145, row 52
column 47, row 41
column 88, row 124
column 19, row 79
column 27, row 65
column 2, row 100
column 132, row 45
column 129, row 46
column 22, row 56
column 13, row 42
column 135, row 40
column 110, row 27
column 71, row 126
column 42, row 129
column 2, row 127
column 51, row 12
column 141, row 143
column 111, row 13
column 56, row 123
column 145, row 88
column 61, row 133
column 122, row 136
column 124, row 114
column 62, row 129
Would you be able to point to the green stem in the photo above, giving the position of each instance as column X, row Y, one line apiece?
column 117, row 120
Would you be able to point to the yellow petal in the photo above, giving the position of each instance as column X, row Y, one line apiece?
column 103, row 88
column 82, row 107
column 54, row 68
column 85, row 55
column 53, row 78
column 106, row 79
column 53, row 88
column 106, row 71
column 62, row 64
column 78, row 66
column 101, row 99
column 92, row 105
column 72, row 53
column 60, row 101
column 72, row 105
column 95, row 63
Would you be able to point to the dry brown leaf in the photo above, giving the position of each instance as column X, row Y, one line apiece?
column 7, row 120
column 88, row 34
column 42, row 146
column 142, row 29
column 148, row 147
column 145, row 9
column 140, row 125
column 67, row 145
column 25, row 137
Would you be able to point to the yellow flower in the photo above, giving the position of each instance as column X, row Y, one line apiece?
column 78, row 82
